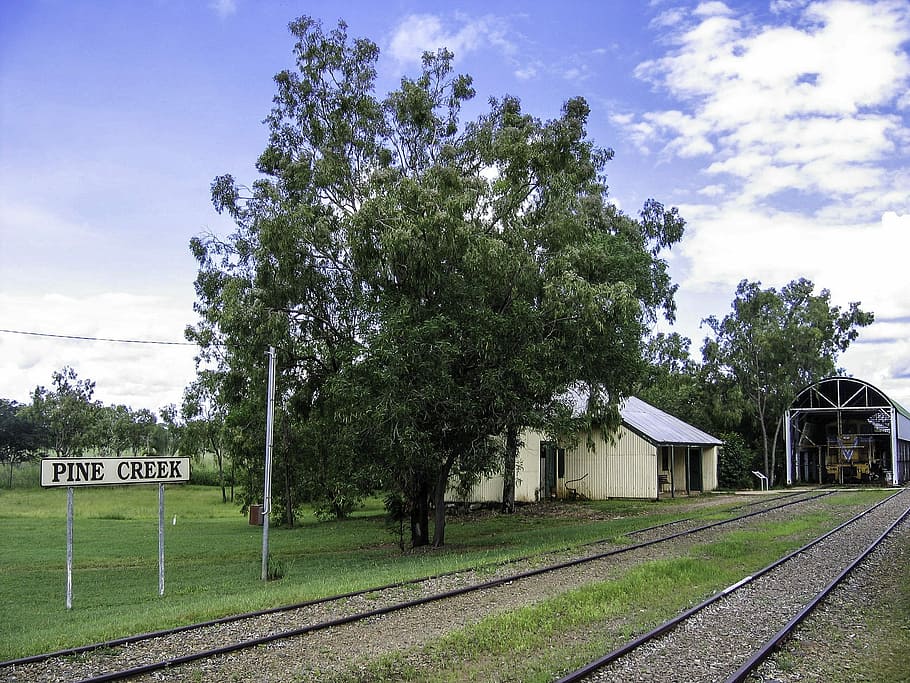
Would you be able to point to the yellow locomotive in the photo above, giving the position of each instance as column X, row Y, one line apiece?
column 852, row 451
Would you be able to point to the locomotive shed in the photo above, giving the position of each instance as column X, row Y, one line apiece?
column 842, row 430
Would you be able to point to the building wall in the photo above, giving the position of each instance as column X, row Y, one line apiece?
column 622, row 467
column 709, row 467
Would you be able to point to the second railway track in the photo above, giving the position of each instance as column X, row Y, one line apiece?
column 725, row 638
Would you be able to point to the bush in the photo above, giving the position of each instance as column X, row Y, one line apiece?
column 735, row 463
column 204, row 476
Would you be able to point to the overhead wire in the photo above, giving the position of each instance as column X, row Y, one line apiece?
column 101, row 339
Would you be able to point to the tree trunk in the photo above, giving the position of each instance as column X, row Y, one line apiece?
column 233, row 476
column 420, row 516
column 288, row 476
column 220, row 460
column 439, row 499
column 508, row 472
column 774, row 449
column 764, row 440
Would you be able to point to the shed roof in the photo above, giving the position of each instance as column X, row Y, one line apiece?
column 661, row 428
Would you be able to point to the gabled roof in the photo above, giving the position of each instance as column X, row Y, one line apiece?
column 660, row 428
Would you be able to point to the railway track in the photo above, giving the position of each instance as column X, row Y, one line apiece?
column 165, row 650
column 726, row 637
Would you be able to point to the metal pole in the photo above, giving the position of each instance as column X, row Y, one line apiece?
column 788, row 448
column 267, row 485
column 895, row 447
column 69, row 547
column 160, row 539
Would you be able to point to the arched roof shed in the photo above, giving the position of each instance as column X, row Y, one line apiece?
column 844, row 430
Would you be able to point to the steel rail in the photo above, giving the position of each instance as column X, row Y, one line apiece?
column 775, row 641
column 163, row 664
column 594, row 666
column 737, row 507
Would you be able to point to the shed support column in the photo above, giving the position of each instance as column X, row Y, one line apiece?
column 895, row 476
column 688, row 472
column 788, row 441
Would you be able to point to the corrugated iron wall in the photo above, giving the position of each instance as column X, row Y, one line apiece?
column 709, row 467
column 625, row 468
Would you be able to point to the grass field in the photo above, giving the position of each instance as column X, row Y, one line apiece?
column 213, row 557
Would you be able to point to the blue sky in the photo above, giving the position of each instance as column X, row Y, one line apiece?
column 780, row 129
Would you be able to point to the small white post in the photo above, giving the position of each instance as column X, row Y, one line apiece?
column 267, row 484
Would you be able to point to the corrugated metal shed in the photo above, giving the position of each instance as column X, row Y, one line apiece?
column 661, row 428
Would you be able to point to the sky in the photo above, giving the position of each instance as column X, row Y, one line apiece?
column 781, row 131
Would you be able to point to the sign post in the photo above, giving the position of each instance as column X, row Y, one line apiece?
column 69, row 547
column 160, row 539
column 72, row 472
column 267, row 484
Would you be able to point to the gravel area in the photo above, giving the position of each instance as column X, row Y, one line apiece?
column 717, row 641
column 324, row 653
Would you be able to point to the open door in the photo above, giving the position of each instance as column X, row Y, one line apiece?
column 693, row 474
column 552, row 465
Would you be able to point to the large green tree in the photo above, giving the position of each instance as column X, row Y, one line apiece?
column 772, row 344
column 430, row 285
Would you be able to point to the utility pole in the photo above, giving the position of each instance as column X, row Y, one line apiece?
column 267, row 486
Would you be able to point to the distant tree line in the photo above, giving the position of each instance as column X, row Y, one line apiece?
column 65, row 421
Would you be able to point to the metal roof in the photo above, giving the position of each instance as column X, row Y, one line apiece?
column 840, row 392
column 661, row 428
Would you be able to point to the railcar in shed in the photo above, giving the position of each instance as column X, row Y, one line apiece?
column 842, row 430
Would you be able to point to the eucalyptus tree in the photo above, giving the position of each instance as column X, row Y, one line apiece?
column 65, row 414
column 772, row 344
column 204, row 425
column 430, row 285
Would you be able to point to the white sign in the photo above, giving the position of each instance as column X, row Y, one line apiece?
column 110, row 471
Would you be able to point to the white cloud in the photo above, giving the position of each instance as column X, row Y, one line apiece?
column 138, row 375
column 861, row 262
column 807, row 106
column 856, row 262
column 419, row 33
column 223, row 8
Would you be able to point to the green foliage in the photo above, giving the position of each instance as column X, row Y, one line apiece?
column 735, row 462
column 65, row 414
column 772, row 344
column 19, row 437
column 428, row 284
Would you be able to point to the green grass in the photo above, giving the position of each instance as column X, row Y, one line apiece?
column 213, row 557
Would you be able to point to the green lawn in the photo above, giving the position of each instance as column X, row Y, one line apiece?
column 213, row 557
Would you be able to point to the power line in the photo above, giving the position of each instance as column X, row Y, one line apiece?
column 101, row 339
